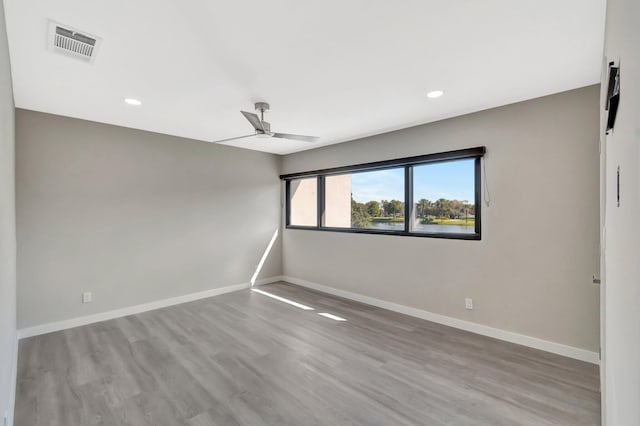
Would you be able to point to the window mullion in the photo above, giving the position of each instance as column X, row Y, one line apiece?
column 321, row 201
column 408, row 197
column 288, row 203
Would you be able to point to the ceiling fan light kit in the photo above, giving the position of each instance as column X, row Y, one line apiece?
column 263, row 128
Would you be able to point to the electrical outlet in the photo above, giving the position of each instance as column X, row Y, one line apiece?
column 468, row 303
column 87, row 297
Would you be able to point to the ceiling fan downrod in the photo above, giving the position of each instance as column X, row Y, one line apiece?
column 262, row 107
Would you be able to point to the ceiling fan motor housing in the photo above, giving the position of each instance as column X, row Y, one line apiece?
column 262, row 106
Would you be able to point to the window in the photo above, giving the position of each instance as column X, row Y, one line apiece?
column 442, row 190
column 444, row 197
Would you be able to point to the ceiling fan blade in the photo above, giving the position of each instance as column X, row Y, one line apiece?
column 295, row 137
column 233, row 139
column 254, row 120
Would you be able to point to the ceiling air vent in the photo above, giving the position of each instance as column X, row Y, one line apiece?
column 64, row 39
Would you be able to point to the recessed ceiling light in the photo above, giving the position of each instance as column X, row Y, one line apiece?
column 435, row 94
column 132, row 101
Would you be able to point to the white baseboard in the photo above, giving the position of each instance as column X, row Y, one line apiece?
column 508, row 336
column 136, row 309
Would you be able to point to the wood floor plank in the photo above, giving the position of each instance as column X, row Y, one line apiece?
column 247, row 359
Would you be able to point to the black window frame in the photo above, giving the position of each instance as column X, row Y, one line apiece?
column 407, row 163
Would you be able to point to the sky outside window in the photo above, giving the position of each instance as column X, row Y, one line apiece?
column 378, row 185
column 451, row 180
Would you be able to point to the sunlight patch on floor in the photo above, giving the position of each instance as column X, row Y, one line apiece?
column 331, row 316
column 282, row 299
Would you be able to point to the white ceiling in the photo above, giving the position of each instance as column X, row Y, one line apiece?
column 332, row 68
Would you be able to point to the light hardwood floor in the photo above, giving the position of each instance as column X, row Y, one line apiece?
column 247, row 359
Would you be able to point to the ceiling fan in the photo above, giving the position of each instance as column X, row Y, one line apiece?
column 263, row 128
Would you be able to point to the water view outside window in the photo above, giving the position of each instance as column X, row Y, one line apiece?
column 444, row 200
column 365, row 200
column 303, row 202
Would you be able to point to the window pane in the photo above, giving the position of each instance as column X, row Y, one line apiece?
column 367, row 200
column 303, row 202
column 444, row 200
column 337, row 201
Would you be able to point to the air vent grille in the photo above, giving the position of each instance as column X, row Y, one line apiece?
column 64, row 39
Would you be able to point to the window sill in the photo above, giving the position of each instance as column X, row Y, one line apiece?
column 449, row 236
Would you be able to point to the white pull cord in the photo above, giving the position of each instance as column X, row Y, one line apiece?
column 487, row 196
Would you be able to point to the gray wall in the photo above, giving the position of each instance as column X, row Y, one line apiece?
column 621, row 362
column 134, row 216
column 531, row 273
column 7, row 227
